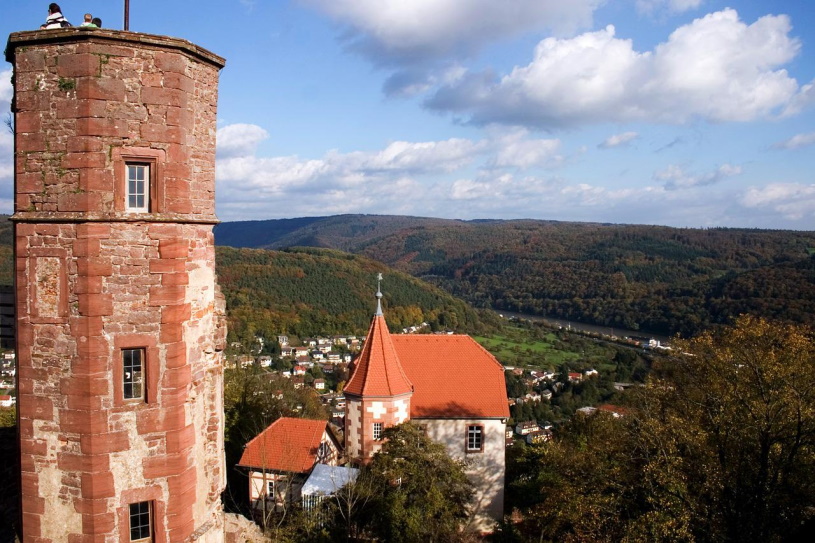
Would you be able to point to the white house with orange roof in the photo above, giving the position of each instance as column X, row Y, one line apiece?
column 280, row 458
column 449, row 385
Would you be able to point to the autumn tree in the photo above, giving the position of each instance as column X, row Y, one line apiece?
column 720, row 446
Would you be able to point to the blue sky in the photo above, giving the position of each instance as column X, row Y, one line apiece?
column 694, row 113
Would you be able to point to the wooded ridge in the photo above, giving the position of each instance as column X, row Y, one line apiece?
column 655, row 278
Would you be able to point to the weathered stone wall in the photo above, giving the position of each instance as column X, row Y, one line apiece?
column 92, row 279
column 486, row 469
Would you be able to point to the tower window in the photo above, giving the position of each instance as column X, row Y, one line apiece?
column 133, row 374
column 137, row 197
column 377, row 431
column 475, row 438
column 141, row 521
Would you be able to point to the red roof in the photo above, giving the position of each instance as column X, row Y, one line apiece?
column 378, row 371
column 288, row 444
column 452, row 376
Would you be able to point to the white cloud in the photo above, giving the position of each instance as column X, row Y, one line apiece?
column 793, row 201
column 618, row 140
column 672, row 6
column 797, row 141
column 675, row 177
column 239, row 139
column 716, row 68
column 516, row 150
column 414, row 177
column 398, row 32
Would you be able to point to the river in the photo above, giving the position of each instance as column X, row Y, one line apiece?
column 574, row 325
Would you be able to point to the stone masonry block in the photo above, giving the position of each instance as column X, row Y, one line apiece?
column 83, row 462
column 168, row 63
column 167, row 266
column 165, row 465
column 92, row 126
column 78, row 109
column 94, row 266
column 104, row 443
column 78, row 65
column 97, row 305
column 174, row 248
column 35, row 407
column 175, row 314
column 98, row 485
column 109, row 89
column 164, row 97
column 27, row 121
column 84, row 160
column 76, row 421
column 167, row 296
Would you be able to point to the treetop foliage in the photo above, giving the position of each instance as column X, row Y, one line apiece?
column 719, row 447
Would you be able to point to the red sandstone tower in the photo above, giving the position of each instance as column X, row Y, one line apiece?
column 119, row 322
column 378, row 392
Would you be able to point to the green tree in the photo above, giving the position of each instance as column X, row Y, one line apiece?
column 8, row 417
column 421, row 493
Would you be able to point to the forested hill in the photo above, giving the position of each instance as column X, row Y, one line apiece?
column 308, row 291
column 662, row 279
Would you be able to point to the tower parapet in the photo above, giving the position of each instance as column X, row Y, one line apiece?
column 119, row 319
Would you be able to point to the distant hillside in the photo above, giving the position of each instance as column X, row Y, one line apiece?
column 655, row 278
column 344, row 232
column 309, row 291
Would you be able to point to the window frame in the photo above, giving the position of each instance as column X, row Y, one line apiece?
column 377, row 429
column 150, row 370
column 474, row 432
column 154, row 159
column 138, row 515
column 142, row 397
column 146, row 189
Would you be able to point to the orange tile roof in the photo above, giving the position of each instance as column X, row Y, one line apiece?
column 287, row 444
column 378, row 371
column 452, row 376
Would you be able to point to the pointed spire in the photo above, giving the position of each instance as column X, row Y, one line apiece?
column 379, row 296
column 377, row 370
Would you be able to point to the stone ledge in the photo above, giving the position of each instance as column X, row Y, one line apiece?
column 116, row 37
column 85, row 217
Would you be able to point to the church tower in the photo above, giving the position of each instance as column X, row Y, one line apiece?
column 378, row 392
column 119, row 320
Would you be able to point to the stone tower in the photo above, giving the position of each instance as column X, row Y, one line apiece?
column 378, row 392
column 119, row 320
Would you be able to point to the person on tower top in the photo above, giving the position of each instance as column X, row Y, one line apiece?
column 55, row 18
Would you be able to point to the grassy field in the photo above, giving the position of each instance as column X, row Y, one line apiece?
column 545, row 349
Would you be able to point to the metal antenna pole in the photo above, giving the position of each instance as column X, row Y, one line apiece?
column 127, row 14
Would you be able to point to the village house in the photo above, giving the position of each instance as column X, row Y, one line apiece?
column 449, row 385
column 280, row 458
column 288, row 351
column 526, row 427
column 538, row 436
